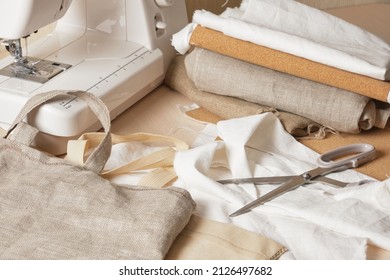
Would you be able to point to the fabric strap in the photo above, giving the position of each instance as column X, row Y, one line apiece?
column 161, row 161
column 98, row 158
column 100, row 142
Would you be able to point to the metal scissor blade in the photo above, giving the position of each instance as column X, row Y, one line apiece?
column 279, row 180
column 330, row 181
column 258, row 180
column 289, row 185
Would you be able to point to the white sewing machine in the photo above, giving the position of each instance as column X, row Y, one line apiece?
column 118, row 50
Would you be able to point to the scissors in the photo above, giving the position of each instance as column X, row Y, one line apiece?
column 350, row 156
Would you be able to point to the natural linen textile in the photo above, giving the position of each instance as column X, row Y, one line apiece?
column 204, row 239
column 315, row 221
column 287, row 63
column 299, row 30
column 228, row 107
column 52, row 209
column 341, row 110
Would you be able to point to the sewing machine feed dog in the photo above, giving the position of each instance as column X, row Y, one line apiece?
column 118, row 50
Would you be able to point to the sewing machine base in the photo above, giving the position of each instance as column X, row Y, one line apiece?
column 57, row 145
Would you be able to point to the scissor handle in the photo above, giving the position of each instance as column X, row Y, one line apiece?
column 350, row 156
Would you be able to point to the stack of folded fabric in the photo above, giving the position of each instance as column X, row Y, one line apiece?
column 227, row 107
column 292, row 58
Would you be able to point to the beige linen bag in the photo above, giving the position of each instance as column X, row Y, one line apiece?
column 53, row 209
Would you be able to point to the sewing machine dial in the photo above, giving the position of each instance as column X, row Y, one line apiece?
column 164, row 3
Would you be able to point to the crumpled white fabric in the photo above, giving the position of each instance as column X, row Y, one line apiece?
column 180, row 40
column 315, row 221
column 123, row 153
column 300, row 30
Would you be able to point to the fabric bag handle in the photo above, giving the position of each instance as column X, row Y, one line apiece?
column 100, row 155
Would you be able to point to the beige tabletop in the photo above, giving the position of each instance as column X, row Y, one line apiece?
column 160, row 112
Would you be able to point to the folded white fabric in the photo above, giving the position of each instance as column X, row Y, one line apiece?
column 300, row 30
column 315, row 221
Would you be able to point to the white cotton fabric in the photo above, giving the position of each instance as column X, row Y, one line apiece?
column 315, row 221
column 180, row 40
column 300, row 30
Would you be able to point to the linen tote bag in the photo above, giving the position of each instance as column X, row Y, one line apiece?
column 53, row 209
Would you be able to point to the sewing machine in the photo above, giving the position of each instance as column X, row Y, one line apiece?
column 118, row 50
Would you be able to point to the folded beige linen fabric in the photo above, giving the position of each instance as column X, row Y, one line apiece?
column 228, row 107
column 204, row 239
column 338, row 109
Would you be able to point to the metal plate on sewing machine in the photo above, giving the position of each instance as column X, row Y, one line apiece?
column 36, row 70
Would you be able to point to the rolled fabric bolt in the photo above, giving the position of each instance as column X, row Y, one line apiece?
column 227, row 107
column 339, row 109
